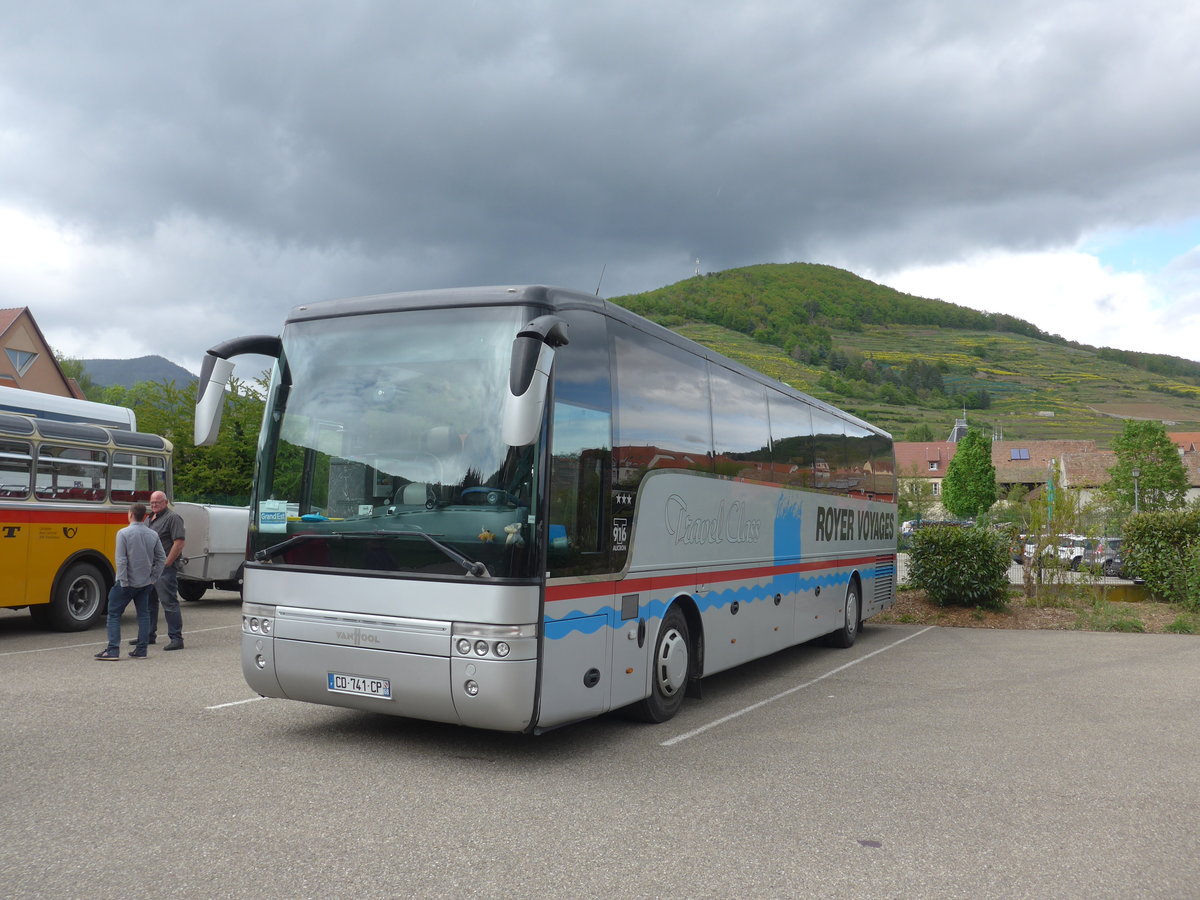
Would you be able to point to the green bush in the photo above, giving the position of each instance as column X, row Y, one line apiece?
column 1163, row 549
column 960, row 566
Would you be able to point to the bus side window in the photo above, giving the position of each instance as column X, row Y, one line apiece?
column 576, row 534
column 16, row 464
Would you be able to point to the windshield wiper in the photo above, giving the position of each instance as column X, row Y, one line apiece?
column 473, row 567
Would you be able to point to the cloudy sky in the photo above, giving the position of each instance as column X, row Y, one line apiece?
column 174, row 174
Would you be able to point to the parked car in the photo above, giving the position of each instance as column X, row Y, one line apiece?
column 1107, row 556
column 1074, row 548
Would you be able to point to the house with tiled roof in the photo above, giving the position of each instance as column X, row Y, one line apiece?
column 26, row 360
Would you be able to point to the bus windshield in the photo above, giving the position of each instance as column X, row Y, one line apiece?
column 382, row 447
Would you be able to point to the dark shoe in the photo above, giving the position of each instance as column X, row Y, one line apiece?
column 137, row 654
column 174, row 645
column 152, row 640
column 108, row 653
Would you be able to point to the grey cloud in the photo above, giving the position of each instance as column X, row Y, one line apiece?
column 329, row 149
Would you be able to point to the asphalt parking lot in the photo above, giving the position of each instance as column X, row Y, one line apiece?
column 922, row 762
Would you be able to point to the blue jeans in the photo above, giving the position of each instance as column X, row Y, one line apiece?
column 166, row 594
column 119, row 598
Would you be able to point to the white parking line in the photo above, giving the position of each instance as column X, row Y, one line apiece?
column 104, row 643
column 235, row 703
column 741, row 712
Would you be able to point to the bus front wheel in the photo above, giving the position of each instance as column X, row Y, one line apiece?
column 671, row 669
column 78, row 601
column 844, row 636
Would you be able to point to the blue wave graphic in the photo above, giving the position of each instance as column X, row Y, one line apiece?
column 787, row 548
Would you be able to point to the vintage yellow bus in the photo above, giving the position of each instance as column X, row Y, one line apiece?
column 64, row 491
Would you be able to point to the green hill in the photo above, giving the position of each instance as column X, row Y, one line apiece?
column 904, row 362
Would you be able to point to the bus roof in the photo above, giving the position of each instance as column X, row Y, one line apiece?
column 65, row 409
column 550, row 298
column 28, row 427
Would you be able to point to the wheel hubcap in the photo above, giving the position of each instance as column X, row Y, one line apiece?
column 672, row 663
column 83, row 598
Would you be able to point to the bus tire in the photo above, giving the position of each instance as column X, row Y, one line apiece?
column 671, row 668
column 191, row 590
column 844, row 636
column 79, row 598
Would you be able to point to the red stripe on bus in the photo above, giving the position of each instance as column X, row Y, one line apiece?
column 692, row 579
column 55, row 516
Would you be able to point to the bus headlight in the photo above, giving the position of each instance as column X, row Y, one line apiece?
column 257, row 619
column 481, row 648
column 502, row 649
column 464, row 646
column 472, row 688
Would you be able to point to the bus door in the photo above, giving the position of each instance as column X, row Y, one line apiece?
column 577, row 632
column 16, row 463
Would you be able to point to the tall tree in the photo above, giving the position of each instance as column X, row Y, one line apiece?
column 969, row 488
column 1162, row 481
column 73, row 368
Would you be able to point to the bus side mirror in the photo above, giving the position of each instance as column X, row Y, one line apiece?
column 210, row 399
column 529, row 378
column 214, row 376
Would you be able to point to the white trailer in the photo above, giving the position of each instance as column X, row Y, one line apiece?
column 214, row 548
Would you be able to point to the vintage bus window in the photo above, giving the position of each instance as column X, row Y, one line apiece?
column 741, row 438
column 829, row 452
column 662, row 411
column 16, row 464
column 71, row 473
column 136, row 476
column 791, row 441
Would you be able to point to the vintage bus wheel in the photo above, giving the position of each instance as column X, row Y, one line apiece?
column 844, row 636
column 672, row 667
column 78, row 601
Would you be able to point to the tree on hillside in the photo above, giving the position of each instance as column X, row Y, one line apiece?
column 969, row 488
column 73, row 368
column 1162, row 479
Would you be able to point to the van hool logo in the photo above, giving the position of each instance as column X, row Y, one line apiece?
column 728, row 525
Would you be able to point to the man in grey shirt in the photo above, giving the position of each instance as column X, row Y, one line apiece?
column 140, row 560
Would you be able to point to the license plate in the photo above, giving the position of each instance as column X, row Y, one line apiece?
column 341, row 683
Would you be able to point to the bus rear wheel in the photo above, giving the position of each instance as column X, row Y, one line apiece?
column 844, row 636
column 78, row 601
column 671, row 669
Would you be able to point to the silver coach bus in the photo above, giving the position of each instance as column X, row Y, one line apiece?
column 518, row 507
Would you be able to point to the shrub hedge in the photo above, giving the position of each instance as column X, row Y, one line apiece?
column 960, row 566
column 1163, row 549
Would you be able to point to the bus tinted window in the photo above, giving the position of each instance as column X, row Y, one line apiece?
column 829, row 452
column 858, row 460
column 16, row 464
column 71, row 473
column 741, row 438
column 581, row 441
column 662, row 415
column 883, row 468
column 791, row 440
